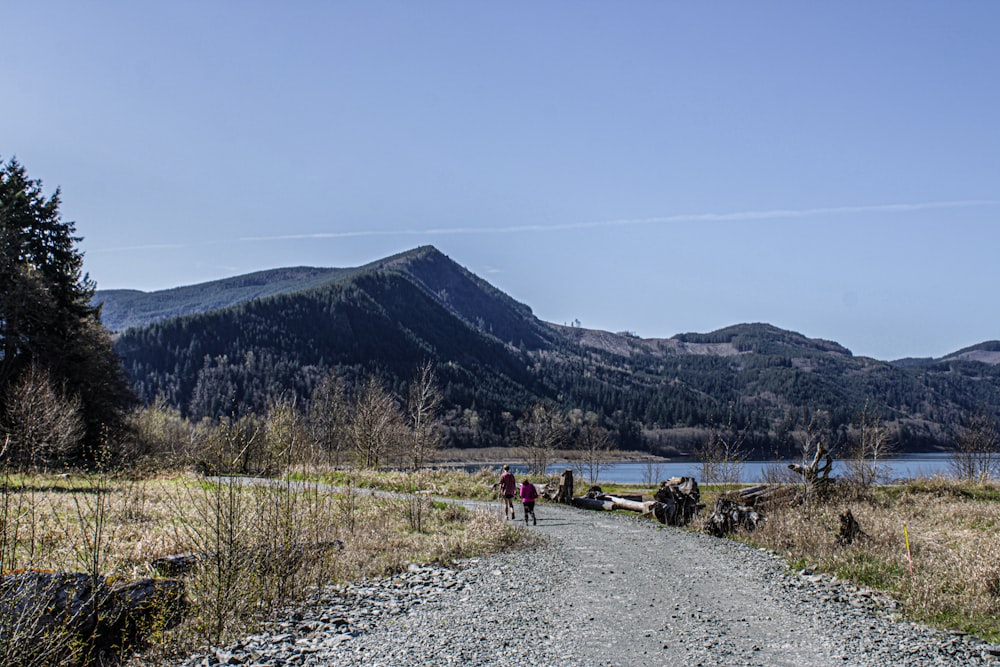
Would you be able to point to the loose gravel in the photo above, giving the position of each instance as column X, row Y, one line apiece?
column 603, row 590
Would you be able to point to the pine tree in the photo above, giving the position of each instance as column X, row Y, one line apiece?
column 47, row 319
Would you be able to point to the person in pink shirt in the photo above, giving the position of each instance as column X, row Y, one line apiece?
column 528, row 496
column 508, row 489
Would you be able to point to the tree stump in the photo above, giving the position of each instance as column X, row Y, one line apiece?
column 677, row 501
column 728, row 517
column 565, row 491
column 817, row 472
column 850, row 530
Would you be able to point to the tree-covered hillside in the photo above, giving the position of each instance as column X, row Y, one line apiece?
column 495, row 360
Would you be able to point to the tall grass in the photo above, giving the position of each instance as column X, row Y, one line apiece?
column 259, row 547
column 952, row 529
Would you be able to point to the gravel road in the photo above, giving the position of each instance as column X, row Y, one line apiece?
column 602, row 590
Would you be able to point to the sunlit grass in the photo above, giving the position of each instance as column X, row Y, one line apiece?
column 245, row 535
column 955, row 580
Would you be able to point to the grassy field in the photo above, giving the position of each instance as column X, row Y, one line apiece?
column 261, row 547
column 931, row 544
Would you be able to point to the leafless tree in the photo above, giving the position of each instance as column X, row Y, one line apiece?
column 977, row 450
column 422, row 415
column 375, row 425
column 723, row 453
column 541, row 431
column 42, row 426
column 866, row 463
column 284, row 431
column 329, row 417
column 594, row 445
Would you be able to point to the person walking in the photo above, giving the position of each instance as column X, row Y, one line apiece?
column 508, row 489
column 528, row 496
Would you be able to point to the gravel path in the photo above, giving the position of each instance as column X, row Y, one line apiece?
column 604, row 590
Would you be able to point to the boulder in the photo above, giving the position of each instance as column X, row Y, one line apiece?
column 75, row 619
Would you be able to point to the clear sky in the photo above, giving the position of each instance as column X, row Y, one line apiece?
column 658, row 167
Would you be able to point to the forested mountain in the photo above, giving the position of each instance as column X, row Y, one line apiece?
column 282, row 331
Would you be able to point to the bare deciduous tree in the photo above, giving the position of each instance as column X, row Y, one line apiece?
column 376, row 424
column 542, row 432
column 422, row 413
column 283, row 432
column 866, row 463
column 329, row 417
column 594, row 446
column 42, row 425
column 722, row 455
column 977, row 450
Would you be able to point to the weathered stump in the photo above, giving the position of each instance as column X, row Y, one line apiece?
column 728, row 517
column 850, row 530
column 564, row 494
column 678, row 500
column 817, row 472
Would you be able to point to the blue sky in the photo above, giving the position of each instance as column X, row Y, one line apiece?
column 657, row 167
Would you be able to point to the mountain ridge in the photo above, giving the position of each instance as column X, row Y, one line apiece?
column 496, row 359
column 118, row 308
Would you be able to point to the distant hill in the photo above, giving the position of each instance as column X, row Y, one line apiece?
column 132, row 308
column 231, row 346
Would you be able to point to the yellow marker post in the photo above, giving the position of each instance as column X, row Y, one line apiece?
column 906, row 538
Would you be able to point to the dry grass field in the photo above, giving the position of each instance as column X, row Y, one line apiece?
column 932, row 544
column 260, row 547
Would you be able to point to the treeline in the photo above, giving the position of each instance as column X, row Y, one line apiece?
column 63, row 395
column 239, row 360
column 365, row 426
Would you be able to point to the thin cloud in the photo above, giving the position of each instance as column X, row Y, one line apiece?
column 772, row 214
column 151, row 246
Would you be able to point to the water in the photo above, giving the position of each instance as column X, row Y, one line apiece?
column 904, row 467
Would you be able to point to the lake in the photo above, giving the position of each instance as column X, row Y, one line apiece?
column 903, row 467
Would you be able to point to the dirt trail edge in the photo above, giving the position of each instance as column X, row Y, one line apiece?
column 607, row 590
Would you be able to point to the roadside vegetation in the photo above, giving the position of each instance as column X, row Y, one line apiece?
column 257, row 548
column 930, row 544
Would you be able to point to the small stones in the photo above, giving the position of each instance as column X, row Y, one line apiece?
column 541, row 607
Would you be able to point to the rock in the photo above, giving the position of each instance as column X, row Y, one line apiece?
column 81, row 620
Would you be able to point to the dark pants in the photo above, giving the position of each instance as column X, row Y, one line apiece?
column 529, row 508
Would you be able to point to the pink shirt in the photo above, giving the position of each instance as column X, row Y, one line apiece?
column 528, row 493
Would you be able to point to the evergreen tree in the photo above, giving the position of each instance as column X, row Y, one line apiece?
column 47, row 319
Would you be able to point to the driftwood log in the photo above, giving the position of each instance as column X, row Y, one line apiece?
column 765, row 496
column 593, row 504
column 816, row 472
column 675, row 502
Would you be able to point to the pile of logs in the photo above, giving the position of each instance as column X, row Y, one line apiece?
column 742, row 508
column 764, row 496
column 675, row 502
